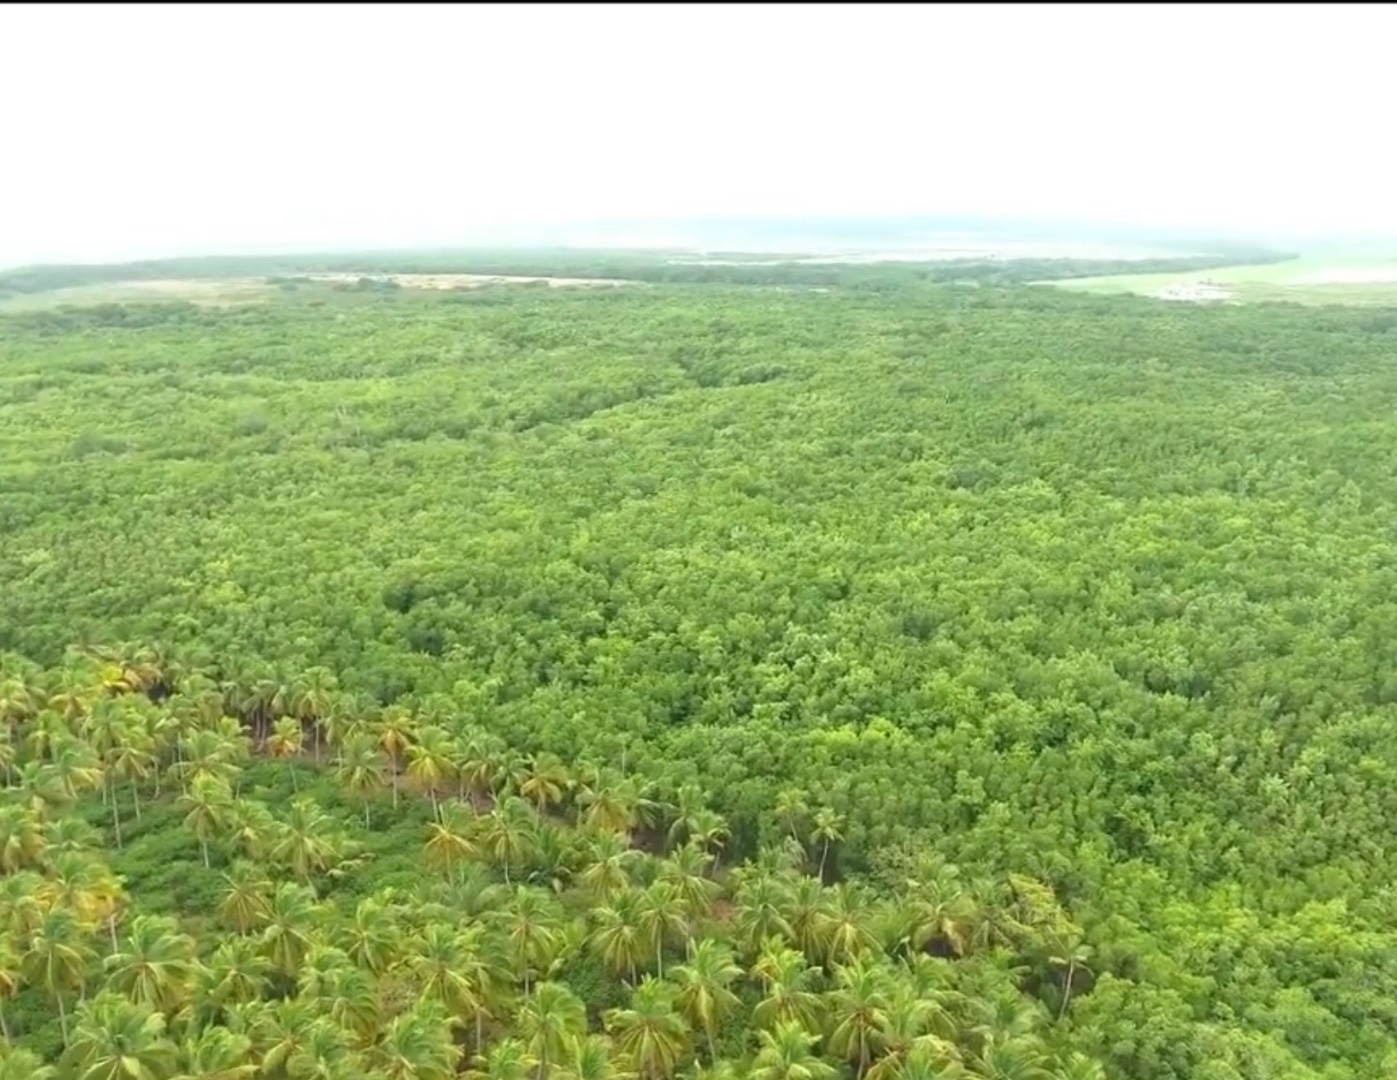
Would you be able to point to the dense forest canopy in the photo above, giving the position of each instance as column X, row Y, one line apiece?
column 928, row 680
column 678, row 266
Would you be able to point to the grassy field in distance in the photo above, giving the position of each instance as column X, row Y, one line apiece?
column 1320, row 276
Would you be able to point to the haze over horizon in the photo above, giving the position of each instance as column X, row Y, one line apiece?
column 142, row 131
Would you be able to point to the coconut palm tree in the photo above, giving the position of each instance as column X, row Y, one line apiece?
column 130, row 761
column 307, row 841
column 352, row 1000
column 663, row 918
column 546, row 784
column 651, row 1032
column 11, row 979
column 244, row 903
column 507, row 834
column 360, row 771
column 845, row 933
column 416, row 1045
column 115, row 1039
column 449, row 845
column 280, row 1030
column 925, row 1062
column 1012, row 1059
column 326, row 1053
column 785, row 975
column 548, row 1020
column 588, row 1058
column 761, row 905
column 806, row 908
column 285, row 743
column 858, row 1014
column 791, row 812
column 23, row 843
column 290, row 930
column 374, row 938
column 616, row 937
column 22, row 905
column 74, row 769
column 508, row 1059
column 704, row 985
column 431, row 764
column 686, row 872
column 394, row 732
column 17, row 1063
column 530, row 925
column 215, row 1053
column 826, row 830
column 785, row 1054
column 916, row 1021
column 155, row 967
column 611, row 866
column 439, row 962
column 236, row 973
column 208, row 806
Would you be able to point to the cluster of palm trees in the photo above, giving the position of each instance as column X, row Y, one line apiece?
column 567, row 923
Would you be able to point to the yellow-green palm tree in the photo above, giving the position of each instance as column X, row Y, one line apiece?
column 307, row 841
column 115, row 1039
column 663, row 919
column 546, row 783
column 244, row 903
column 785, row 975
column 786, row 1053
column 285, row 743
column 651, row 1032
column 588, row 1058
column 155, row 966
column 22, row 840
column 19, row 1063
column 858, row 1014
column 215, row 1053
column 360, row 771
column 548, row 1019
column 450, row 969
column 291, row 927
column 394, row 732
column 704, row 985
column 416, row 1045
column 431, row 764
column 616, row 937
column 450, row 845
column 208, row 806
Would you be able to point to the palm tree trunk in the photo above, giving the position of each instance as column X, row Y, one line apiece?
column 62, row 1018
column 116, row 818
column 367, row 825
column 4, row 1024
column 824, row 854
column 136, row 799
column 294, row 789
column 204, row 847
column 393, row 768
column 1067, row 988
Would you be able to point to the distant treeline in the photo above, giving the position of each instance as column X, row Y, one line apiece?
column 666, row 267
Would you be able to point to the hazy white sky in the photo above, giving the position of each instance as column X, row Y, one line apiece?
column 133, row 131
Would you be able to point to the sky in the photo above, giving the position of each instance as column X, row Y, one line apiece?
column 137, row 131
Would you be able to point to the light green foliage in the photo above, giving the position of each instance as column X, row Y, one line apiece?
column 894, row 680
